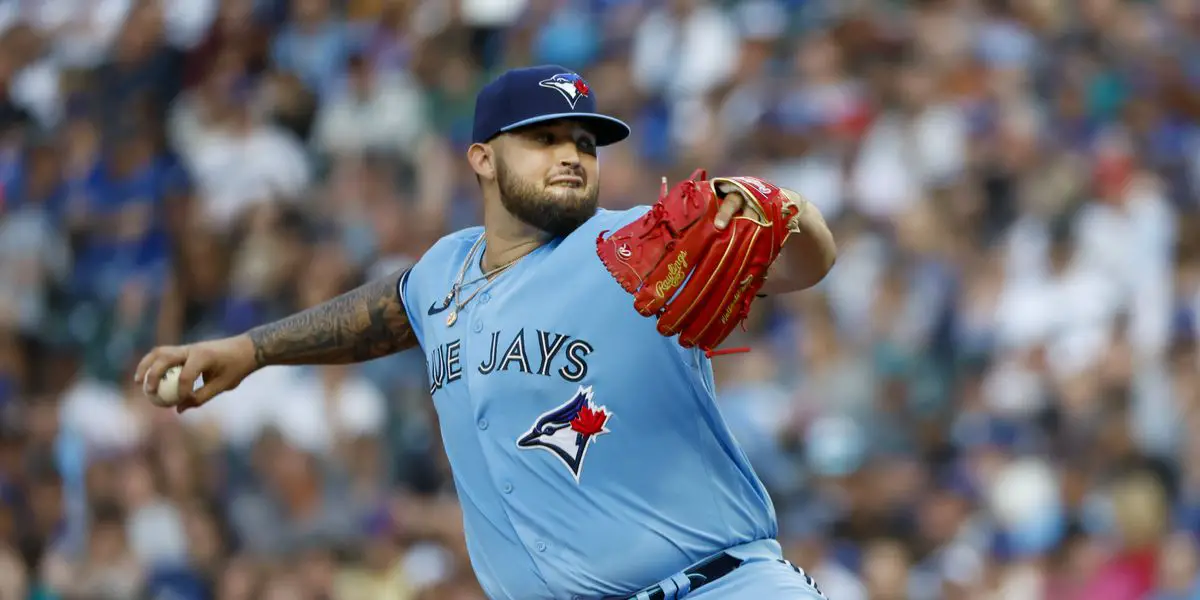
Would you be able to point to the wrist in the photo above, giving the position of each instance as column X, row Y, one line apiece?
column 247, row 349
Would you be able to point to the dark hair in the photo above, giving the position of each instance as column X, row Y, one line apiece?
column 107, row 513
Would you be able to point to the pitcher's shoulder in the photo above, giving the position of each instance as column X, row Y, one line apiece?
column 423, row 287
column 439, row 263
column 610, row 220
column 451, row 244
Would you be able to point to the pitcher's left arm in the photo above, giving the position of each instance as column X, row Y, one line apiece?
column 807, row 256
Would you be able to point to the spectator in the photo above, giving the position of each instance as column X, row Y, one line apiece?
column 243, row 162
column 383, row 113
column 37, row 257
column 314, row 45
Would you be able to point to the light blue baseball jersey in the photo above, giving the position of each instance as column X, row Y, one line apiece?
column 587, row 450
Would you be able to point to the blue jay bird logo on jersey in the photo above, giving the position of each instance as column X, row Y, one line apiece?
column 568, row 430
column 570, row 85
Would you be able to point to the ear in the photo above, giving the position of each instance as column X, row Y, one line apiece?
column 482, row 160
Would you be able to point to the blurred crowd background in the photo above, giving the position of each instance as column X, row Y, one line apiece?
column 994, row 396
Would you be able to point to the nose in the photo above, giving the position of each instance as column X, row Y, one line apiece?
column 568, row 155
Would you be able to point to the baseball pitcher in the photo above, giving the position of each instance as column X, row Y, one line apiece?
column 569, row 354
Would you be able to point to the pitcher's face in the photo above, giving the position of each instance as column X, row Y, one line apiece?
column 548, row 175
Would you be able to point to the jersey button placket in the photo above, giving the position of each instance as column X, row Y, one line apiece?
column 540, row 546
column 477, row 326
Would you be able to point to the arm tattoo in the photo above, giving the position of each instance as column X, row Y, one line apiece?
column 365, row 323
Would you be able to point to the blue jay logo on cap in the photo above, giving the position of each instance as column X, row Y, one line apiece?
column 570, row 85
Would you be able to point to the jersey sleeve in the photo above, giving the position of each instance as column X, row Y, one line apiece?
column 408, row 292
column 426, row 282
column 620, row 218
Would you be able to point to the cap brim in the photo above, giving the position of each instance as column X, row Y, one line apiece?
column 608, row 130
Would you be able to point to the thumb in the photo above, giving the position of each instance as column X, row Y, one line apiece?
column 191, row 370
column 207, row 392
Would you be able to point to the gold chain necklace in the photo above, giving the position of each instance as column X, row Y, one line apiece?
column 456, row 290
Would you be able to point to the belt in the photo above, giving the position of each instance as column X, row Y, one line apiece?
column 691, row 579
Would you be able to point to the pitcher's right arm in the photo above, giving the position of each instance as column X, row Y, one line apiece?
column 363, row 324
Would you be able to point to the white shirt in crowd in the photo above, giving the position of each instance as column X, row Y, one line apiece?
column 235, row 170
column 99, row 414
column 293, row 400
column 390, row 119
column 900, row 157
column 433, row 16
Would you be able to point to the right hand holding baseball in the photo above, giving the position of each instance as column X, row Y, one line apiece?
column 223, row 364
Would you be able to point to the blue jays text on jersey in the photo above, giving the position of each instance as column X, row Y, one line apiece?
column 588, row 453
column 553, row 354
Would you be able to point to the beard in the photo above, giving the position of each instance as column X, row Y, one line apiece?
column 556, row 210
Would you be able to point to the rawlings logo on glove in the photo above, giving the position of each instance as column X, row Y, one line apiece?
column 697, row 279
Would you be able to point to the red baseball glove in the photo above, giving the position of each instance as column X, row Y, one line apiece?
column 698, row 280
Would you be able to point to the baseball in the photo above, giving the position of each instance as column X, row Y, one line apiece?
column 168, row 388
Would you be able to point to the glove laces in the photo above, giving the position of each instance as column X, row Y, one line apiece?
column 724, row 351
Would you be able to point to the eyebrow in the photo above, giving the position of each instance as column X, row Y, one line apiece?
column 556, row 130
